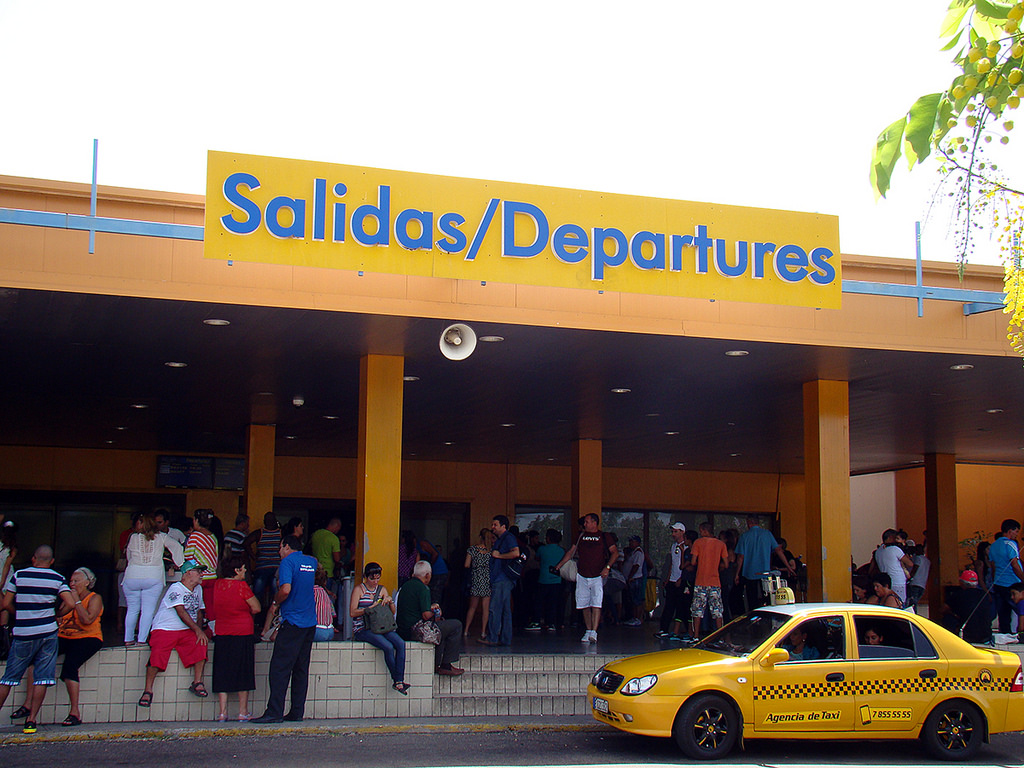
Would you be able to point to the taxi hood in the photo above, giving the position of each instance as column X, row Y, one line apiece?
column 660, row 662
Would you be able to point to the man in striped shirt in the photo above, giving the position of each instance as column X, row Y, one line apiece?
column 37, row 595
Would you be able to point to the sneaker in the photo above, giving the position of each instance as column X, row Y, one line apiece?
column 550, row 629
column 663, row 635
column 593, row 635
column 632, row 623
column 533, row 627
column 586, row 636
column 29, row 727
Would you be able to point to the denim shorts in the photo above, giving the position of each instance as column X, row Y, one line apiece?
column 38, row 651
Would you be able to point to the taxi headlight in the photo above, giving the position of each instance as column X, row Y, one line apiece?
column 639, row 685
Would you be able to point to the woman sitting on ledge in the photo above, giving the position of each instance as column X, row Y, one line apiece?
column 369, row 593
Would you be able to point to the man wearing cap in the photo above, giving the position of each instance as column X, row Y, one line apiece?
column 753, row 558
column 178, row 625
column 294, row 643
column 673, row 584
column 37, row 595
column 968, row 610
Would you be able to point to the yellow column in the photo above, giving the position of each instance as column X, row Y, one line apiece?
column 586, row 480
column 259, row 473
column 941, row 522
column 379, row 481
column 827, row 489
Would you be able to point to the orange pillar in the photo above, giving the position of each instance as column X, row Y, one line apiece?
column 827, row 489
column 379, row 481
column 941, row 522
column 586, row 481
column 259, row 473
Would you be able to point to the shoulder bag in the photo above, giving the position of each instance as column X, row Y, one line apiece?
column 426, row 631
column 379, row 619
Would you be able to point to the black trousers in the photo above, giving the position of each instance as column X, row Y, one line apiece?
column 290, row 663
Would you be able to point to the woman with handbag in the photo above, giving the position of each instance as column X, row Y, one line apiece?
column 373, row 621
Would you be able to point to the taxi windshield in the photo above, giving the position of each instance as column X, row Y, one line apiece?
column 744, row 635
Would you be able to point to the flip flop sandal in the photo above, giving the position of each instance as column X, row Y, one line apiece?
column 146, row 699
column 402, row 688
column 71, row 721
column 20, row 712
column 199, row 690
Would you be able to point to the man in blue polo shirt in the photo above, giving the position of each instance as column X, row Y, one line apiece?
column 294, row 643
column 36, row 595
column 1006, row 570
column 753, row 558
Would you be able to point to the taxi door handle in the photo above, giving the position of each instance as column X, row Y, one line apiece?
column 928, row 674
column 835, row 677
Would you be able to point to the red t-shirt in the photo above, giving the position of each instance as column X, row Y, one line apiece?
column 708, row 551
column 593, row 550
column 233, row 614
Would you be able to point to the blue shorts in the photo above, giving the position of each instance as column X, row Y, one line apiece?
column 40, row 652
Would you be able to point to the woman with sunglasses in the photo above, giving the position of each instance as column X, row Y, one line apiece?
column 368, row 593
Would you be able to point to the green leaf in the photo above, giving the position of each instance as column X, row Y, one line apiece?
column 883, row 159
column 953, row 20
column 986, row 28
column 920, row 126
column 953, row 41
column 994, row 10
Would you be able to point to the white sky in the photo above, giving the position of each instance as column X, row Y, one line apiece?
column 774, row 105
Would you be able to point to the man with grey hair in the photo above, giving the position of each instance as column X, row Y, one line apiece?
column 414, row 606
column 37, row 595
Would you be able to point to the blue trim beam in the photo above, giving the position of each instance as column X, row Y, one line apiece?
column 922, row 292
column 100, row 224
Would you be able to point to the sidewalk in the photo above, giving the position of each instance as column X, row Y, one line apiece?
column 54, row 732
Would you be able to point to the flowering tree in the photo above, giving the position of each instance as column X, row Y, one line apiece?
column 964, row 125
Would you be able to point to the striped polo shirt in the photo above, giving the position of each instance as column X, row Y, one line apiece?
column 36, row 597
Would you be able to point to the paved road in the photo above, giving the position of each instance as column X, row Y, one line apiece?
column 451, row 744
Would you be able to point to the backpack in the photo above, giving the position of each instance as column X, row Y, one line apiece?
column 514, row 568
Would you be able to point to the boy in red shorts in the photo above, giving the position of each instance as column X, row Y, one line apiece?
column 178, row 625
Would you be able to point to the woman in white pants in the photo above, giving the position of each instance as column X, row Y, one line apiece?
column 144, row 577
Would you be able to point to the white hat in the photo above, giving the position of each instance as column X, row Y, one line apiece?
column 678, row 527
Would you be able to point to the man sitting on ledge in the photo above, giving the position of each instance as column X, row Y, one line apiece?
column 414, row 605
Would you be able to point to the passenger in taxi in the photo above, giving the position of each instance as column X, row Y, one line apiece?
column 798, row 647
column 873, row 637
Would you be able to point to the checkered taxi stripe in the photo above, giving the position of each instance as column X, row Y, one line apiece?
column 824, row 690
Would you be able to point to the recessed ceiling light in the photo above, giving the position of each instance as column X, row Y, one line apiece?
column 175, row 364
column 448, row 442
column 491, row 339
column 736, row 353
column 994, row 410
column 290, row 437
column 730, row 423
column 672, row 432
column 120, row 429
column 331, row 417
column 410, row 378
column 621, row 390
column 140, row 406
column 680, row 463
column 508, row 424
column 961, row 367
column 265, row 394
column 734, row 455
column 652, row 415
column 552, row 458
column 216, row 321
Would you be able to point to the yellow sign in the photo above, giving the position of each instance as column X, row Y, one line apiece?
column 312, row 214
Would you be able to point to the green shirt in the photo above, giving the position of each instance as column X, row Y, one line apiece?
column 324, row 544
column 413, row 602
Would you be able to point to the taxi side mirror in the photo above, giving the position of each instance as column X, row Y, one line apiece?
column 774, row 656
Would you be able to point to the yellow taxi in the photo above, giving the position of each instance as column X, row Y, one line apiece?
column 817, row 671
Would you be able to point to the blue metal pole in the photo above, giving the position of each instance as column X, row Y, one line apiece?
column 92, row 203
column 920, row 277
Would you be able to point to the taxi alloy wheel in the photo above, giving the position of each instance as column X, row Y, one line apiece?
column 707, row 727
column 954, row 731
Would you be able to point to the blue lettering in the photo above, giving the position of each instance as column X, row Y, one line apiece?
column 339, row 214
column 703, row 243
column 791, row 263
column 426, row 222
column 454, row 240
column 570, row 243
column 232, row 194
column 826, row 273
column 636, row 250
column 297, row 227
column 319, row 208
column 722, row 266
column 381, row 213
column 508, row 230
column 678, row 243
column 762, row 250
column 601, row 257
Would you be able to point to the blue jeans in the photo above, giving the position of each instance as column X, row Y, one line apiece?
column 323, row 634
column 262, row 579
column 38, row 651
column 499, row 622
column 394, row 651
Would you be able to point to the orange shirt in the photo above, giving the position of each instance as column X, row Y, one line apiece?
column 70, row 628
column 709, row 552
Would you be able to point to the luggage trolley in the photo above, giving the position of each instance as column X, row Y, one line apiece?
column 777, row 589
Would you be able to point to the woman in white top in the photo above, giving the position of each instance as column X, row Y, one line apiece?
column 144, row 577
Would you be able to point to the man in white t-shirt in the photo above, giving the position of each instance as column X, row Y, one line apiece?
column 891, row 559
column 178, row 625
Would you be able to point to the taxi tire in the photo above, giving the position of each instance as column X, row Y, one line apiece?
column 707, row 727
column 944, row 743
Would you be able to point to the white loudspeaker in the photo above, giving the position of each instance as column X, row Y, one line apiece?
column 458, row 341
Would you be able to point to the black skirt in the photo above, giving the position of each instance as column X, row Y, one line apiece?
column 234, row 663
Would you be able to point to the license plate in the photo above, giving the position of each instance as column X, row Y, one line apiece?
column 601, row 705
